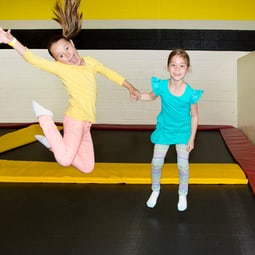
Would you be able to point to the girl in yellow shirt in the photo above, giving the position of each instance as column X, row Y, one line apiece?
column 78, row 75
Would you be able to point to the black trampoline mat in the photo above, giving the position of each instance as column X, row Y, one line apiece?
column 78, row 219
column 131, row 146
column 99, row 219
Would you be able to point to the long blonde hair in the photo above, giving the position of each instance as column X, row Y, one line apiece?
column 69, row 17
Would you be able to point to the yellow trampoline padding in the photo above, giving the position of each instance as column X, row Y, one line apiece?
column 20, row 137
column 128, row 173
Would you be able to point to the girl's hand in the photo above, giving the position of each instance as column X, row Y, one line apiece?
column 134, row 94
column 190, row 145
column 5, row 36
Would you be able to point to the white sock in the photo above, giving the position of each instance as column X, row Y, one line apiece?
column 182, row 203
column 43, row 140
column 39, row 110
column 151, row 202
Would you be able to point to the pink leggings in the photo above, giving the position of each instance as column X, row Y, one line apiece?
column 75, row 147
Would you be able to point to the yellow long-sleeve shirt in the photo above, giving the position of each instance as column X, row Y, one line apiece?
column 80, row 83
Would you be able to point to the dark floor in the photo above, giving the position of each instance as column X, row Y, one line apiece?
column 65, row 219
column 97, row 219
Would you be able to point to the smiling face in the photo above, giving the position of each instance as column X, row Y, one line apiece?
column 64, row 51
column 178, row 64
column 178, row 68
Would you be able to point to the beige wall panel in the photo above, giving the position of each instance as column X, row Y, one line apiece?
column 214, row 72
column 135, row 24
column 246, row 95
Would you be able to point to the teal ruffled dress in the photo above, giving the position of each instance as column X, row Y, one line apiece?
column 174, row 120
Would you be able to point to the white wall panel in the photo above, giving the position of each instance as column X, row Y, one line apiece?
column 214, row 72
column 246, row 95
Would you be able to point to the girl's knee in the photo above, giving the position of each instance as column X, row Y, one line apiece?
column 64, row 163
column 86, row 168
column 157, row 162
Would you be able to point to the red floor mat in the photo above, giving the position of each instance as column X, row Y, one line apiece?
column 242, row 150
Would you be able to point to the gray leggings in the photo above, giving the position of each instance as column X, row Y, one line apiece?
column 157, row 163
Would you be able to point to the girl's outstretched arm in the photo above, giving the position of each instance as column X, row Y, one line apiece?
column 7, row 38
column 149, row 96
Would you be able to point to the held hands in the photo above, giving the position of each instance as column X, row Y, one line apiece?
column 134, row 94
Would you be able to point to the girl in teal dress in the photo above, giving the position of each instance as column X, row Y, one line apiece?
column 176, row 123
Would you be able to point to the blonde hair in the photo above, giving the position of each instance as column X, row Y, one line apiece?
column 68, row 16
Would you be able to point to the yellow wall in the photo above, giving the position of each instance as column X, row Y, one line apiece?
column 133, row 9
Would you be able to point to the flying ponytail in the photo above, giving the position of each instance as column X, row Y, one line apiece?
column 68, row 16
